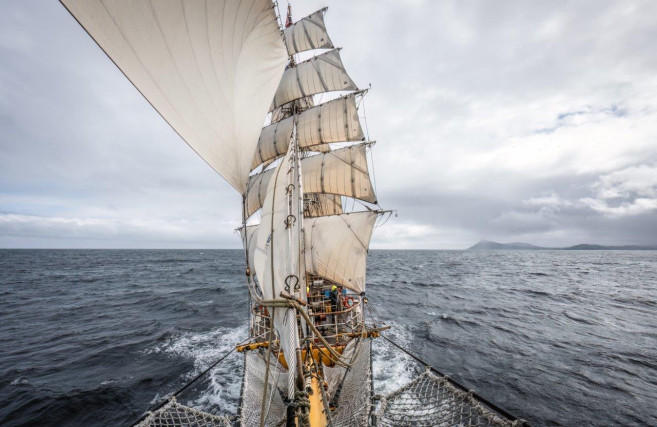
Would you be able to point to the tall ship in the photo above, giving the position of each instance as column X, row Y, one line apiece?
column 217, row 71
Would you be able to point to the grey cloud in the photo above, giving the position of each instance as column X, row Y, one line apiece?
column 510, row 121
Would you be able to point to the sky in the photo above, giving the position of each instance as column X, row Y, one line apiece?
column 507, row 121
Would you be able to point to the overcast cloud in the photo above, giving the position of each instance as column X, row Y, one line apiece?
column 511, row 121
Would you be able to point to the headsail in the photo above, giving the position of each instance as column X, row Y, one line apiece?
column 209, row 68
column 276, row 256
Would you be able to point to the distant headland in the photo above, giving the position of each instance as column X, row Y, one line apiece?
column 487, row 245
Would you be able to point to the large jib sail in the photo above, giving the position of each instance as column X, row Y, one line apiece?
column 210, row 68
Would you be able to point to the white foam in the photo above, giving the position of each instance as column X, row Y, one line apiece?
column 19, row 381
column 205, row 348
column 391, row 367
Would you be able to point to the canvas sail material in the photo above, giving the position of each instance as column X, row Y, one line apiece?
column 318, row 204
column 276, row 255
column 308, row 33
column 333, row 121
column 209, row 68
column 322, row 73
column 342, row 172
column 249, row 235
column 337, row 246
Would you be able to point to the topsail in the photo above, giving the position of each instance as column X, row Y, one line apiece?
column 322, row 73
column 333, row 121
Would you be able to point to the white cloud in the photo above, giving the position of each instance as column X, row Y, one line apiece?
column 115, row 233
column 635, row 207
column 633, row 181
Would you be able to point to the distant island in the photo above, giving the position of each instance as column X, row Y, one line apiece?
column 487, row 245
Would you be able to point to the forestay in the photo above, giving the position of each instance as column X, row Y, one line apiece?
column 333, row 121
column 209, row 68
column 321, row 73
column 343, row 172
column 308, row 33
column 337, row 246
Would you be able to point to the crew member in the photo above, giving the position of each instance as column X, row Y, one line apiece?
column 334, row 298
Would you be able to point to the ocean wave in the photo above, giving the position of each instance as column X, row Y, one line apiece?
column 392, row 368
column 222, row 386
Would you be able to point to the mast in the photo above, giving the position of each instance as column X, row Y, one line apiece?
column 296, row 233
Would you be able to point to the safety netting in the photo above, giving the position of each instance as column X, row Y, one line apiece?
column 174, row 414
column 431, row 400
column 428, row 399
column 348, row 390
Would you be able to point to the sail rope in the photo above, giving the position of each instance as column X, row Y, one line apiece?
column 332, row 353
column 367, row 134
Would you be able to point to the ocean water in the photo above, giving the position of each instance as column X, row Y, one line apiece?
column 556, row 337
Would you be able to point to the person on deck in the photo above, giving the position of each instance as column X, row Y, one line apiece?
column 334, row 302
column 334, row 298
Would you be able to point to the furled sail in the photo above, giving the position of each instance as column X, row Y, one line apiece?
column 337, row 246
column 342, row 172
column 333, row 121
column 209, row 68
column 321, row 73
column 308, row 33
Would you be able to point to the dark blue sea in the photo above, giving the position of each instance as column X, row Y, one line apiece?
column 95, row 337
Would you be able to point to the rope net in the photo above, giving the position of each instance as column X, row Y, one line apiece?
column 349, row 390
column 174, row 414
column 429, row 399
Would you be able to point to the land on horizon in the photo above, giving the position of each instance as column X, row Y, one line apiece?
column 487, row 245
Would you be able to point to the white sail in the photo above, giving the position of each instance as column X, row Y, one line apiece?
column 256, row 191
column 318, row 204
column 273, row 142
column 333, row 121
column 276, row 256
column 342, row 172
column 209, row 68
column 249, row 235
column 337, row 246
column 322, row 73
column 308, row 33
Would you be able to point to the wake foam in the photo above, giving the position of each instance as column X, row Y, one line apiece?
column 221, row 386
column 392, row 368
